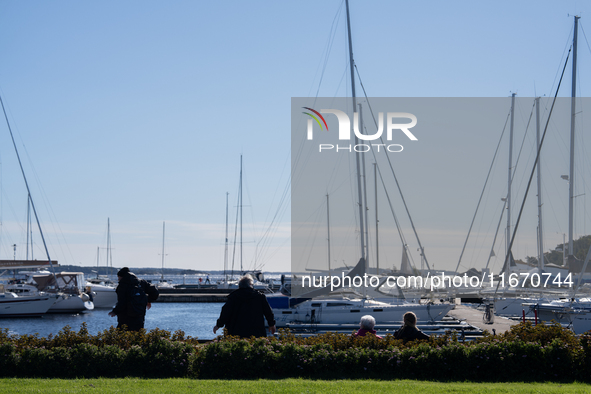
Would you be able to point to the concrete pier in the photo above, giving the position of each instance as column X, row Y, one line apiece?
column 474, row 318
column 188, row 297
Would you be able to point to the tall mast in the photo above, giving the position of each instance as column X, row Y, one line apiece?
column 109, row 267
column 328, row 230
column 357, row 157
column 163, row 231
column 226, row 246
column 509, row 179
column 28, row 190
column 571, row 177
column 29, row 227
column 540, row 232
column 365, row 207
column 240, row 208
column 375, row 181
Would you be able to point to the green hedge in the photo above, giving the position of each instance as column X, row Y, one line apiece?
column 525, row 353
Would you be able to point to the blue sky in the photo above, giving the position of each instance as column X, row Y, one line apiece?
column 139, row 111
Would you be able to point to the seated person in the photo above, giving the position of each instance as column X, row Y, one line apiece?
column 409, row 330
column 366, row 325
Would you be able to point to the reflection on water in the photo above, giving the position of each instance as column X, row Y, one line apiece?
column 196, row 319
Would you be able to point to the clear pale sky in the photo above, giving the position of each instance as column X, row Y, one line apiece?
column 138, row 111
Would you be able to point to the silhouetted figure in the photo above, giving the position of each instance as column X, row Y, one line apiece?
column 244, row 312
column 134, row 297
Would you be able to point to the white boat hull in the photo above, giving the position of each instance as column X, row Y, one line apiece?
column 577, row 315
column 513, row 307
column 582, row 323
column 103, row 296
column 351, row 311
column 68, row 303
column 12, row 305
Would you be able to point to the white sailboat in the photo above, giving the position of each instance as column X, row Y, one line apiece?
column 36, row 302
column 163, row 283
column 323, row 306
column 15, row 305
column 103, row 290
column 346, row 306
column 228, row 282
column 20, row 301
column 575, row 312
column 68, row 286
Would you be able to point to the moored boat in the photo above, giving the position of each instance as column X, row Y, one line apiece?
column 15, row 305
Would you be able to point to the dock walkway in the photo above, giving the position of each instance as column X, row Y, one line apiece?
column 192, row 297
column 474, row 318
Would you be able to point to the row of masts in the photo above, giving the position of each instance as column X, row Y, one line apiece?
column 571, row 177
column 361, row 188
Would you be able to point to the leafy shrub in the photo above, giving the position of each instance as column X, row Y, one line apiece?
column 525, row 353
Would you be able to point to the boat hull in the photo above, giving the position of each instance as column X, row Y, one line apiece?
column 103, row 296
column 351, row 311
column 12, row 305
column 68, row 303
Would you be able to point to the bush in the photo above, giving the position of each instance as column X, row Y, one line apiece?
column 526, row 353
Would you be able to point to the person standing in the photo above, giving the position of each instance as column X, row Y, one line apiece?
column 134, row 297
column 245, row 311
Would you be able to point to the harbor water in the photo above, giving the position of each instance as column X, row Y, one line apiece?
column 196, row 319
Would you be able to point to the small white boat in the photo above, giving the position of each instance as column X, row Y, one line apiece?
column 14, row 305
column 69, row 287
column 162, row 284
column 102, row 291
column 575, row 314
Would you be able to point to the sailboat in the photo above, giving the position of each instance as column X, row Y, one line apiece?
column 102, row 288
column 69, row 286
column 335, row 304
column 257, row 275
column 163, row 283
column 60, row 294
column 510, row 303
column 19, row 301
column 572, row 311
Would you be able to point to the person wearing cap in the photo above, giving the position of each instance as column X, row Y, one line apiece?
column 245, row 312
column 128, row 284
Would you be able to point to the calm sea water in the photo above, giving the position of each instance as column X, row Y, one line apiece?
column 196, row 319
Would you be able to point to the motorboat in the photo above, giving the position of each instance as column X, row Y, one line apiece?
column 102, row 291
column 69, row 286
column 16, row 305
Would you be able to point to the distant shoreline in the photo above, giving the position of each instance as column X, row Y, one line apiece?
column 93, row 271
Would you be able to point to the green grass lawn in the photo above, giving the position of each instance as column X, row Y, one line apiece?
column 275, row 386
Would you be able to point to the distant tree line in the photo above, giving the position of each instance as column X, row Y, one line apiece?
column 580, row 249
column 91, row 271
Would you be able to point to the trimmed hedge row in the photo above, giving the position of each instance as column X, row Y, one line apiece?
column 526, row 353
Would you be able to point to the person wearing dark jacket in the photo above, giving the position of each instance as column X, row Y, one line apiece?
column 125, row 310
column 245, row 311
column 409, row 330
